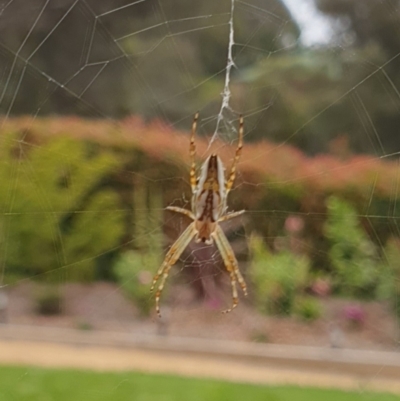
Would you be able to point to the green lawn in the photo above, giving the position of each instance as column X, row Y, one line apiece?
column 35, row 384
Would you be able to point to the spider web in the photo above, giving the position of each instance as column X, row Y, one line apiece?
column 98, row 61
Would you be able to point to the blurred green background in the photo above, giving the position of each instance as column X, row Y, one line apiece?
column 95, row 95
column 96, row 101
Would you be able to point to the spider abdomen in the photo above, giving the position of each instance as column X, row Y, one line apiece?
column 210, row 191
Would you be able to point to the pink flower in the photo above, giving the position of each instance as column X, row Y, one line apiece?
column 354, row 314
column 294, row 224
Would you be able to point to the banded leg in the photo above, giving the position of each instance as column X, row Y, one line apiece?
column 230, row 216
column 235, row 297
column 231, row 264
column 181, row 210
column 170, row 259
column 232, row 174
column 192, row 151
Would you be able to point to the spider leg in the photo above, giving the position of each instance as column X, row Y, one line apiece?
column 230, row 216
column 181, row 210
column 170, row 259
column 238, row 153
column 235, row 297
column 192, row 151
column 231, row 265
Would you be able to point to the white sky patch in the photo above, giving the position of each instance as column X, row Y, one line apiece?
column 315, row 27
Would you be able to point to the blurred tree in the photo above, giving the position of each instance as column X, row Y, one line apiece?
column 363, row 22
column 297, row 86
column 115, row 57
column 313, row 96
column 366, row 24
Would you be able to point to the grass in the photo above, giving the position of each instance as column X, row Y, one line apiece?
column 37, row 384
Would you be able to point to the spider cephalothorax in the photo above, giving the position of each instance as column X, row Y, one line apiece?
column 209, row 194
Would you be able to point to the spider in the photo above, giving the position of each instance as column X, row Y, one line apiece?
column 209, row 194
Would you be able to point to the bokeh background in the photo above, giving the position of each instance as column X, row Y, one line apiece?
column 97, row 100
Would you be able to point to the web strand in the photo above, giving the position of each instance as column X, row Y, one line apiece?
column 226, row 94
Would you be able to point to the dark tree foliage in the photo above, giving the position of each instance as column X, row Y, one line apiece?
column 370, row 21
column 374, row 24
column 68, row 56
